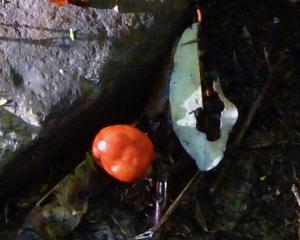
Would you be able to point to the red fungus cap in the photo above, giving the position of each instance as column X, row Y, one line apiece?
column 65, row 2
column 60, row 2
column 123, row 151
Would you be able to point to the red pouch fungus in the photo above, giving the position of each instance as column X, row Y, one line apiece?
column 123, row 151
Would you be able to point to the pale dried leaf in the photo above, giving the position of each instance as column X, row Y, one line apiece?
column 186, row 97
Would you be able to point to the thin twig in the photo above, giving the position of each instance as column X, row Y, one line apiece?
column 56, row 186
column 174, row 205
column 252, row 112
column 296, row 194
column 50, row 192
column 150, row 232
column 257, row 102
column 123, row 232
column 199, row 217
column 250, row 115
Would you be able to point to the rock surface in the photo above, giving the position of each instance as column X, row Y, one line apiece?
column 59, row 90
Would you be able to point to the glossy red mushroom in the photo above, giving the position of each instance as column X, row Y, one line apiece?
column 123, row 151
column 65, row 2
column 60, row 2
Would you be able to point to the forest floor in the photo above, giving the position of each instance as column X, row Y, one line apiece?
column 254, row 193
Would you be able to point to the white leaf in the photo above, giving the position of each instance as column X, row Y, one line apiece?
column 3, row 101
column 186, row 97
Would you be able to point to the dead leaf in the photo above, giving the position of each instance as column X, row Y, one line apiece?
column 186, row 97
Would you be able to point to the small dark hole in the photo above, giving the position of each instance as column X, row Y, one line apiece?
column 16, row 78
